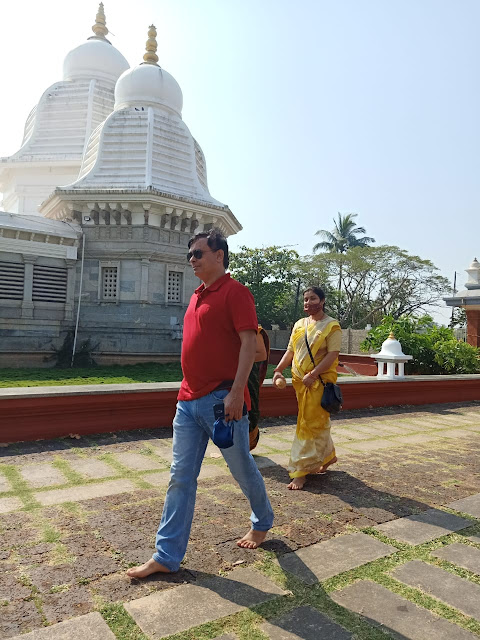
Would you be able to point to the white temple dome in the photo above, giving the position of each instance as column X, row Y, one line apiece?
column 148, row 84
column 391, row 347
column 96, row 58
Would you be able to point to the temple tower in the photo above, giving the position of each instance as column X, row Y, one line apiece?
column 59, row 127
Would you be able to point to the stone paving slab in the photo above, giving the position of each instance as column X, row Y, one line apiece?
column 212, row 471
column 472, row 427
column 42, row 475
column 373, row 445
column 272, row 460
column 274, row 443
column 455, row 433
column 352, row 437
column 326, row 559
column 163, row 613
column 261, row 450
column 158, row 479
column 304, row 623
column 228, row 636
column 341, row 450
column 4, row 484
column 417, row 438
column 451, row 589
column 92, row 468
column 10, row 504
column 423, row 527
column 137, row 461
column 89, row 627
column 396, row 615
column 163, row 451
column 85, row 492
column 470, row 505
column 475, row 539
column 462, row 554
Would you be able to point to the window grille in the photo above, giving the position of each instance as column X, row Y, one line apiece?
column 109, row 283
column 174, row 286
column 11, row 280
column 49, row 284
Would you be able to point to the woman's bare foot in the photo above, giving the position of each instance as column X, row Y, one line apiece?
column 297, row 483
column 252, row 539
column 324, row 467
column 147, row 569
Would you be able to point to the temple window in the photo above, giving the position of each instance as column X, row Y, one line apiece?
column 49, row 284
column 11, row 280
column 174, row 287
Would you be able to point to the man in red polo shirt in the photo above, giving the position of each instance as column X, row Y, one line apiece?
column 219, row 344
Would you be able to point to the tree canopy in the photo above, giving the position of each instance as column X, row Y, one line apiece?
column 375, row 281
column 343, row 236
column 270, row 274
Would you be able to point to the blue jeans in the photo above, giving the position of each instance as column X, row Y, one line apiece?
column 192, row 427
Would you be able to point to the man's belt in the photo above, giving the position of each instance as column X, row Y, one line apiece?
column 226, row 384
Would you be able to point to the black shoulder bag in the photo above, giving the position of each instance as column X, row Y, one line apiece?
column 332, row 395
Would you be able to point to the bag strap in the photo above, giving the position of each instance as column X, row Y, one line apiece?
column 310, row 353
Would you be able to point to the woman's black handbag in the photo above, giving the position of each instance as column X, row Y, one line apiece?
column 332, row 398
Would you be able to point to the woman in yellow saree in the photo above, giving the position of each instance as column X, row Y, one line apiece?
column 312, row 449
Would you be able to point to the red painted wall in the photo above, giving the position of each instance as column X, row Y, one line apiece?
column 36, row 417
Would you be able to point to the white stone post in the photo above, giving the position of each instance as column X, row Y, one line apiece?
column 27, row 304
column 71, row 266
column 144, row 280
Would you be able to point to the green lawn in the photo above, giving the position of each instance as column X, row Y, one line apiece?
column 115, row 374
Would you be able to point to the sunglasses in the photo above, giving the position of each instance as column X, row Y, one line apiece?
column 197, row 254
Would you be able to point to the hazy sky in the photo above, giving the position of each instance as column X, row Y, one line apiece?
column 303, row 109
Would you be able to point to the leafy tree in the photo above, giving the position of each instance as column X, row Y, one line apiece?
column 435, row 349
column 458, row 319
column 343, row 236
column 379, row 281
column 270, row 274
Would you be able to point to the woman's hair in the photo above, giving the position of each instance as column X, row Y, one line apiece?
column 317, row 291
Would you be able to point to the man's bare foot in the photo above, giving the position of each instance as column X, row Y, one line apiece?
column 252, row 539
column 324, row 467
column 147, row 569
column 297, row 483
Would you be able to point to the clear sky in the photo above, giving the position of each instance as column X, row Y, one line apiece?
column 303, row 109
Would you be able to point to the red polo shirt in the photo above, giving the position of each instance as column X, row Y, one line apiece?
column 211, row 344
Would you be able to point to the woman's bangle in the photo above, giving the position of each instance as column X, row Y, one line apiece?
column 278, row 371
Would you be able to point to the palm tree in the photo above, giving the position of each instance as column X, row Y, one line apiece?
column 342, row 238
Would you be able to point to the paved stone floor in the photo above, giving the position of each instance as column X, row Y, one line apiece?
column 385, row 545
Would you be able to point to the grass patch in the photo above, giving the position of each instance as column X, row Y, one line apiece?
column 63, row 466
column 114, row 374
column 121, row 623
column 20, row 488
column 50, row 534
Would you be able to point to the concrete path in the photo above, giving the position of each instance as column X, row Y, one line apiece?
column 386, row 544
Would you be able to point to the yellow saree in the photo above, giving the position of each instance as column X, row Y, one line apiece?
column 313, row 445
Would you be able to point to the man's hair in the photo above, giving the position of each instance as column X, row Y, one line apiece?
column 215, row 240
column 317, row 290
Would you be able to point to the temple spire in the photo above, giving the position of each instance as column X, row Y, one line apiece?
column 150, row 56
column 100, row 27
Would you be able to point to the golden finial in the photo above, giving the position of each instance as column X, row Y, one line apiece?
column 150, row 56
column 100, row 27
column 391, row 336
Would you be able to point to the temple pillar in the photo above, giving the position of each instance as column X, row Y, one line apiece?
column 27, row 304
column 473, row 327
